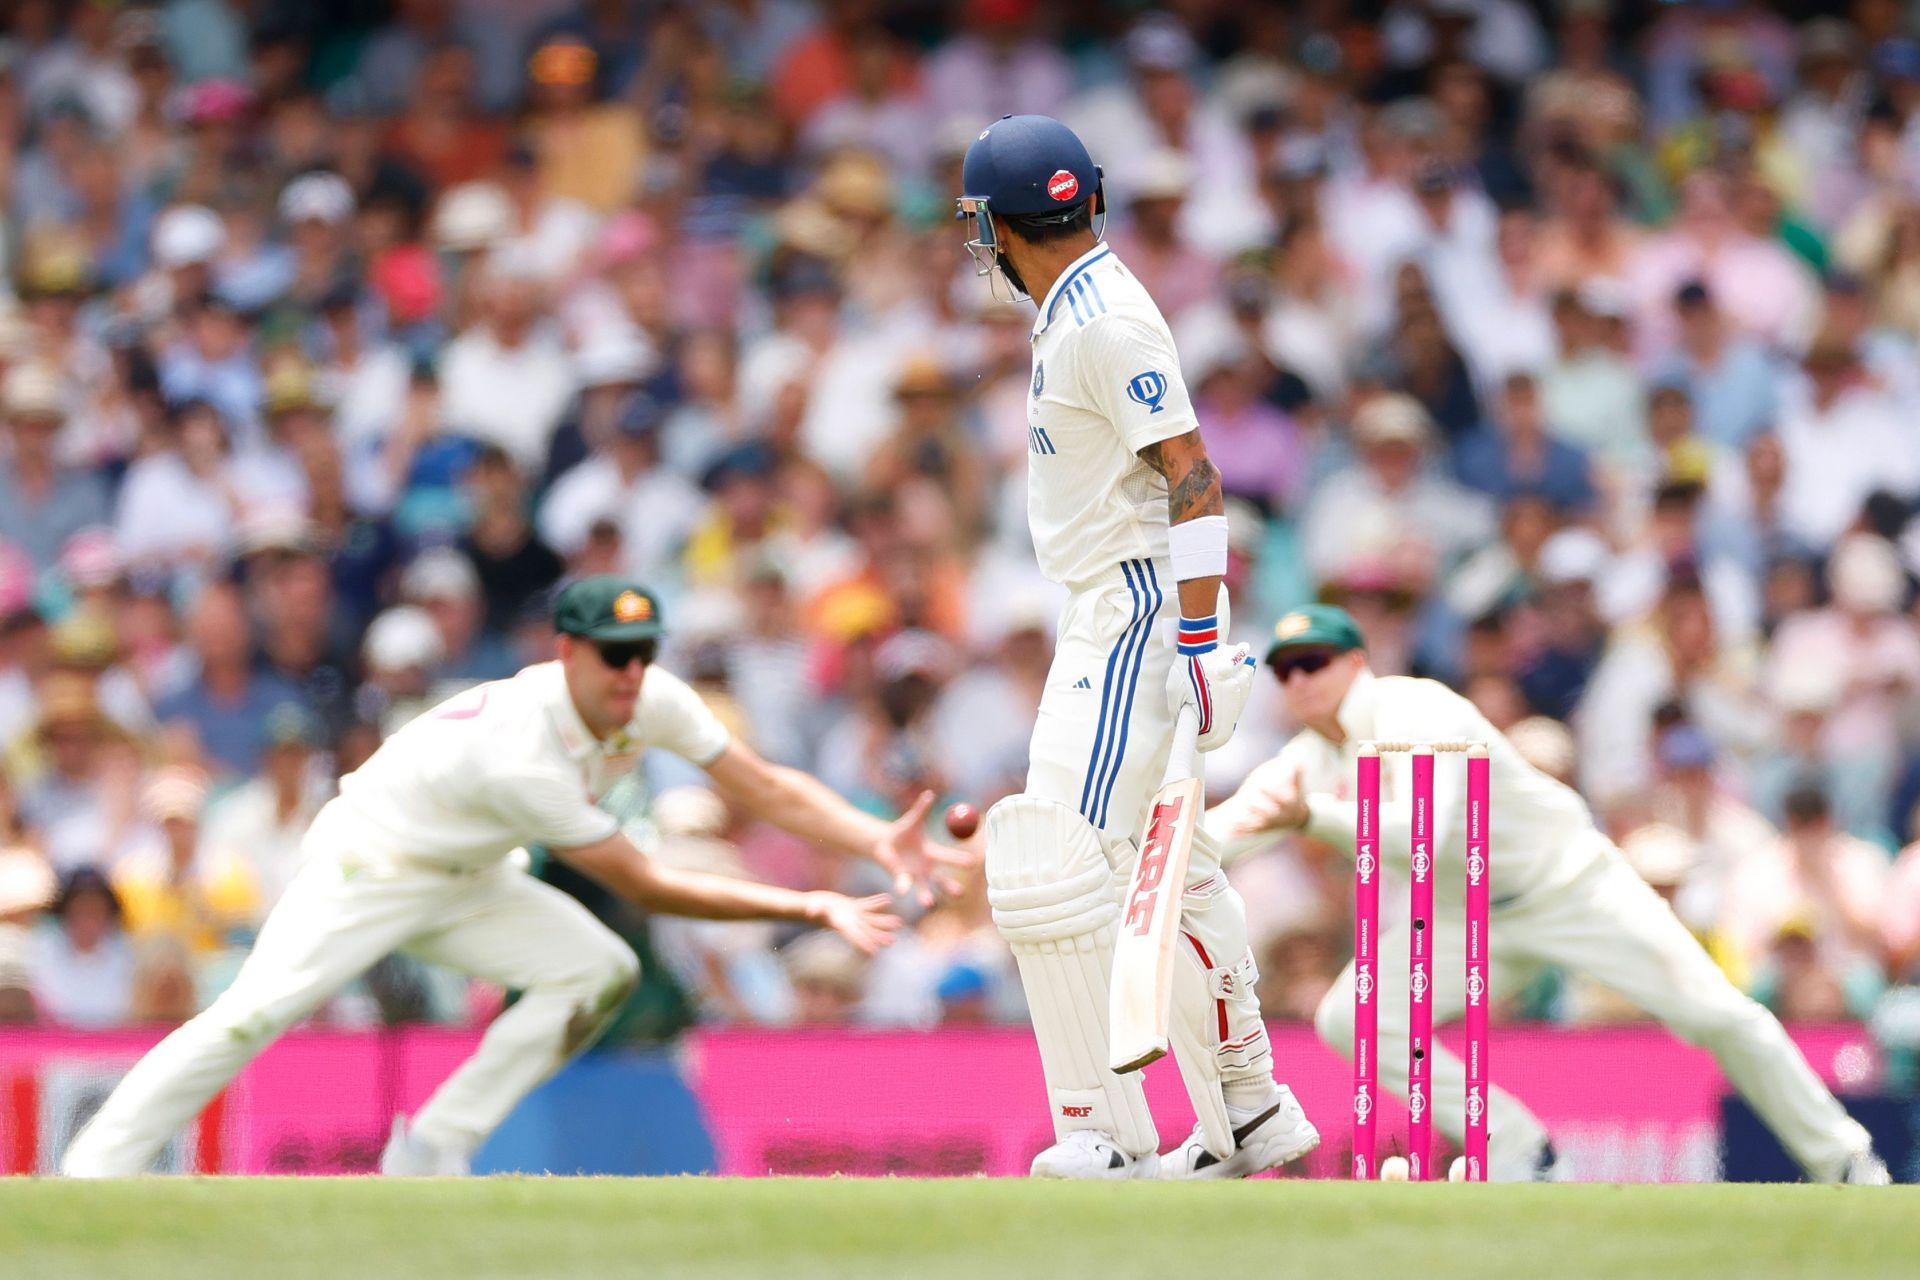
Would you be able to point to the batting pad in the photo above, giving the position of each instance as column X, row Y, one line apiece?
column 1056, row 901
column 1215, row 1027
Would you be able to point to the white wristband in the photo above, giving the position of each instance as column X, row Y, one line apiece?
column 1198, row 548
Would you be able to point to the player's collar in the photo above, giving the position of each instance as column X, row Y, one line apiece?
column 575, row 738
column 1079, row 264
column 1356, row 709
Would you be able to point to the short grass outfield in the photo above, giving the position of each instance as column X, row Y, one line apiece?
column 981, row 1229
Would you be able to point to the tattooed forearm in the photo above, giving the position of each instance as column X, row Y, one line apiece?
column 1193, row 482
column 1197, row 493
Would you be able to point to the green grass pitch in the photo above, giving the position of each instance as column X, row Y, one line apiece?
column 289, row 1229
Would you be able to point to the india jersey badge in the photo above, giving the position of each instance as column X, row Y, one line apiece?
column 1039, row 377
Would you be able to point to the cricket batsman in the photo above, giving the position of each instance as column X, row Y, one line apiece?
column 1126, row 511
column 1563, row 896
column 412, row 855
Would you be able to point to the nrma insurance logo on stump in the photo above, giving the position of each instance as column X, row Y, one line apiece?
column 1149, row 389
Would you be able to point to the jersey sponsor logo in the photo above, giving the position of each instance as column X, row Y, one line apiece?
column 1149, row 389
column 1039, row 377
column 1063, row 185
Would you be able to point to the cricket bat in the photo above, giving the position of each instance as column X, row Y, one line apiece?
column 1143, row 957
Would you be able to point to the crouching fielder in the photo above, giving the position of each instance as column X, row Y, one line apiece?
column 412, row 856
column 1566, row 897
column 1126, row 512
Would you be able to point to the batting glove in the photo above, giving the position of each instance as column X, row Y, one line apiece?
column 1214, row 681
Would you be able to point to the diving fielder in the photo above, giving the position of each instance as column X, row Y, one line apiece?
column 1126, row 511
column 413, row 856
column 1565, row 897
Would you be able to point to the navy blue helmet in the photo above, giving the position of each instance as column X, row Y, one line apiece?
column 1025, row 169
column 1028, row 166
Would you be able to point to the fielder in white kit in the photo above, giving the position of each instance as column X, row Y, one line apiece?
column 1563, row 896
column 1126, row 511
column 413, row 855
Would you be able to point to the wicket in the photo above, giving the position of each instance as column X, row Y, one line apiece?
column 1366, row 932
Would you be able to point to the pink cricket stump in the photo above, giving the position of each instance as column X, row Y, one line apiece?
column 1366, row 930
column 1420, row 971
column 1479, row 899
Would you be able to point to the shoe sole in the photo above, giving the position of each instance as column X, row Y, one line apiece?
column 1228, row 1171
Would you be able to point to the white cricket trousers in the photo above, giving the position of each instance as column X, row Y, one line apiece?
column 335, row 921
column 1610, row 926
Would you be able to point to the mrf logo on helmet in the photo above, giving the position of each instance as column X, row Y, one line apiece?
column 1028, row 171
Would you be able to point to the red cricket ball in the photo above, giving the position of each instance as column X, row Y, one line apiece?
column 962, row 820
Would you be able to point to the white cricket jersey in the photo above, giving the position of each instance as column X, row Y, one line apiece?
column 505, row 764
column 1106, row 384
column 1542, row 834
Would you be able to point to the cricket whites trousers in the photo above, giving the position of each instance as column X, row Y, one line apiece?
column 1060, row 853
column 341, row 914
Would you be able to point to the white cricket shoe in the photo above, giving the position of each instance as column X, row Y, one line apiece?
column 1264, row 1138
column 1088, row 1153
column 1865, row 1169
column 407, row 1156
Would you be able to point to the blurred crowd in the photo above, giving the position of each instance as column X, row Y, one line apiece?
column 1574, row 345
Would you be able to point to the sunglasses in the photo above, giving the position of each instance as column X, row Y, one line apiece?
column 621, row 654
column 1309, row 663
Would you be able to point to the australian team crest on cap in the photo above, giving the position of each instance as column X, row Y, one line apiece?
column 1063, row 186
column 631, row 606
column 1291, row 625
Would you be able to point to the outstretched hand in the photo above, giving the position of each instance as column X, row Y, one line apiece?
column 920, row 865
column 1269, row 806
column 865, row 922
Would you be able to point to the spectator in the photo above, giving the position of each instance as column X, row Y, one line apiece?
column 1729, row 379
column 42, row 502
column 1391, row 515
column 589, row 151
column 513, row 565
column 997, row 62
column 27, row 887
column 81, row 962
column 622, row 481
column 179, row 504
column 167, row 885
column 1679, row 658
column 443, row 582
column 1150, row 243
column 225, row 701
column 1513, row 454
column 1593, row 396
column 1842, row 442
column 873, row 114
column 253, row 833
column 1808, row 907
column 506, row 379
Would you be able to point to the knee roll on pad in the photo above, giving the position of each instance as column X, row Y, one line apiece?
column 1056, row 900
